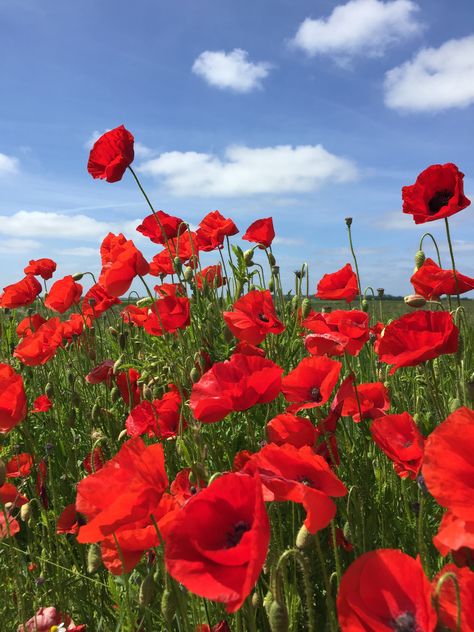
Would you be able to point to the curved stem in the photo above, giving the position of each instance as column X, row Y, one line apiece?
column 451, row 252
column 435, row 245
column 355, row 262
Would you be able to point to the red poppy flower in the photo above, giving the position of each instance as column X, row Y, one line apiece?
column 240, row 459
column 311, row 383
column 431, row 281
column 29, row 325
column 94, row 461
column 167, row 315
column 97, row 301
column 41, row 404
column 247, row 349
column 12, row 398
column 418, row 337
column 170, row 289
column 44, row 268
column 299, row 475
column 438, row 192
column 8, row 525
column 261, row 232
column 447, row 602
column 21, row 293
column 383, row 591
column 63, row 293
column 137, row 316
column 103, row 372
column 127, row 382
column 234, row 385
column 68, row 521
column 217, row 543
column 121, row 263
column 338, row 286
column 183, row 489
column 338, row 332
column 120, row 498
column 19, row 465
column 253, row 317
column 111, row 154
column 161, row 229
column 455, row 535
column 222, row 626
column 72, row 328
column 210, row 276
column 212, row 231
column 10, row 494
column 399, row 438
column 41, row 346
column 47, row 619
column 160, row 418
column 288, row 428
column 371, row 397
column 184, row 247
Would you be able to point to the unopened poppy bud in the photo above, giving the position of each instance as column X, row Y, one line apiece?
column 188, row 274
column 238, row 288
column 122, row 339
column 49, row 390
column 168, row 606
column 77, row 276
column 294, row 302
column 305, row 307
column 248, row 257
column 419, row 259
column 256, row 600
column 346, row 531
column 113, row 332
column 454, row 404
column 303, row 539
column 122, row 434
column 117, row 364
column 115, row 394
column 267, row 601
column 147, row 393
column 278, row 617
column 365, row 305
column 147, row 591
column 25, row 512
column 275, row 270
column 194, row 374
column 95, row 413
column 144, row 302
column 178, row 266
column 271, row 259
column 3, row 473
column 271, row 285
column 94, row 559
column 415, row 300
column 348, row 221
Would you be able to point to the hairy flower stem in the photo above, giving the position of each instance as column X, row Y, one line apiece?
column 303, row 564
column 451, row 252
column 355, row 263
column 327, row 584
column 457, row 591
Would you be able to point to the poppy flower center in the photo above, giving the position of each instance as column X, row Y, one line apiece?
column 234, row 537
column 305, row 481
column 315, row 394
column 263, row 318
column 404, row 623
column 439, row 199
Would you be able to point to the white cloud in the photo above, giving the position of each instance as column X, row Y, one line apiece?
column 360, row 27
column 247, row 171
column 435, row 79
column 18, row 246
column 52, row 225
column 8, row 165
column 141, row 151
column 81, row 251
column 230, row 71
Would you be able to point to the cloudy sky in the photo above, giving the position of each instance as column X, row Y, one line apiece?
column 306, row 110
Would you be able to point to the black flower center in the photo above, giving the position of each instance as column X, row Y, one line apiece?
column 404, row 623
column 439, row 199
column 234, row 537
column 315, row 394
column 305, row 480
column 263, row 318
column 193, row 490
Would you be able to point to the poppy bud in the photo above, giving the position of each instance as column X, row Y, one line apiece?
column 271, row 285
column 346, row 531
column 77, row 276
column 95, row 414
column 267, row 601
column 122, row 434
column 305, row 307
column 144, row 302
column 147, row 591
column 94, row 559
column 294, row 302
column 419, row 259
column 194, row 374
column 271, row 259
column 188, row 274
column 454, row 404
column 115, row 394
column 303, row 539
column 147, row 393
column 248, row 257
column 117, row 364
column 122, row 340
column 3, row 473
column 415, row 300
column 48, row 389
column 365, row 305
column 275, row 270
column 168, row 606
column 256, row 600
column 278, row 617
column 25, row 512
column 178, row 266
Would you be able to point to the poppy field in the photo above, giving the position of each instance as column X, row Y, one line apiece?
column 206, row 452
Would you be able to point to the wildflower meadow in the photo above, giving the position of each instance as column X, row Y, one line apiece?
column 193, row 448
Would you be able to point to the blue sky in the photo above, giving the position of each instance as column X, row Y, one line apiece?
column 309, row 111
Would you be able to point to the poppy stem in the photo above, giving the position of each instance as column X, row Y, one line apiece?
column 439, row 585
column 327, row 583
column 451, row 252
column 348, row 224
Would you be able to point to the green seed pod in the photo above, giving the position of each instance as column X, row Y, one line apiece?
column 275, row 270
column 94, row 559
column 48, row 389
column 419, row 259
column 267, row 601
column 122, row 340
column 271, row 285
column 256, row 600
column 365, row 305
column 278, row 617
column 303, row 539
column 117, row 364
column 168, row 606
column 77, row 276
column 188, row 274
column 454, row 404
column 3, row 472
column 115, row 394
column 346, row 531
column 147, row 591
column 178, row 266
column 248, row 257
column 95, row 414
column 144, row 302
column 305, row 307
column 194, row 375
column 25, row 512
column 294, row 302
column 271, row 259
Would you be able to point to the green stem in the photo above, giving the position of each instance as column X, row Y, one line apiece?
column 451, row 252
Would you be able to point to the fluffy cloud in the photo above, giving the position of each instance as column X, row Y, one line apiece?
column 18, row 246
column 247, row 171
column 8, row 165
column 435, row 79
column 360, row 27
column 52, row 225
column 230, row 71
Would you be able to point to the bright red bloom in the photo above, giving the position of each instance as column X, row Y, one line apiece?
column 338, row 286
column 167, row 315
column 438, row 192
column 217, row 543
column 299, row 475
column 63, row 293
column 10, row 494
column 447, row 598
column 120, row 498
column 44, row 268
column 210, row 276
column 41, row 346
column 455, row 535
column 383, row 591
column 431, row 281
column 47, row 619
column 41, row 404
column 72, row 327
column 161, row 229
column 371, row 397
column 253, row 317
column 94, row 461
column 399, row 438
column 21, row 293
column 170, row 289
column 8, row 526
column 311, row 383
column 68, row 521
column 418, row 337
column 136, row 315
column 212, row 231
column 12, row 398
column 127, row 382
column 261, row 232
column 103, row 372
column 19, row 465
column 247, row 349
column 121, row 263
column 337, row 332
column 29, row 325
column 184, row 247
column 111, row 154
column 288, row 428
column 160, row 418
column 97, row 301
column 234, row 385
column 183, row 489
